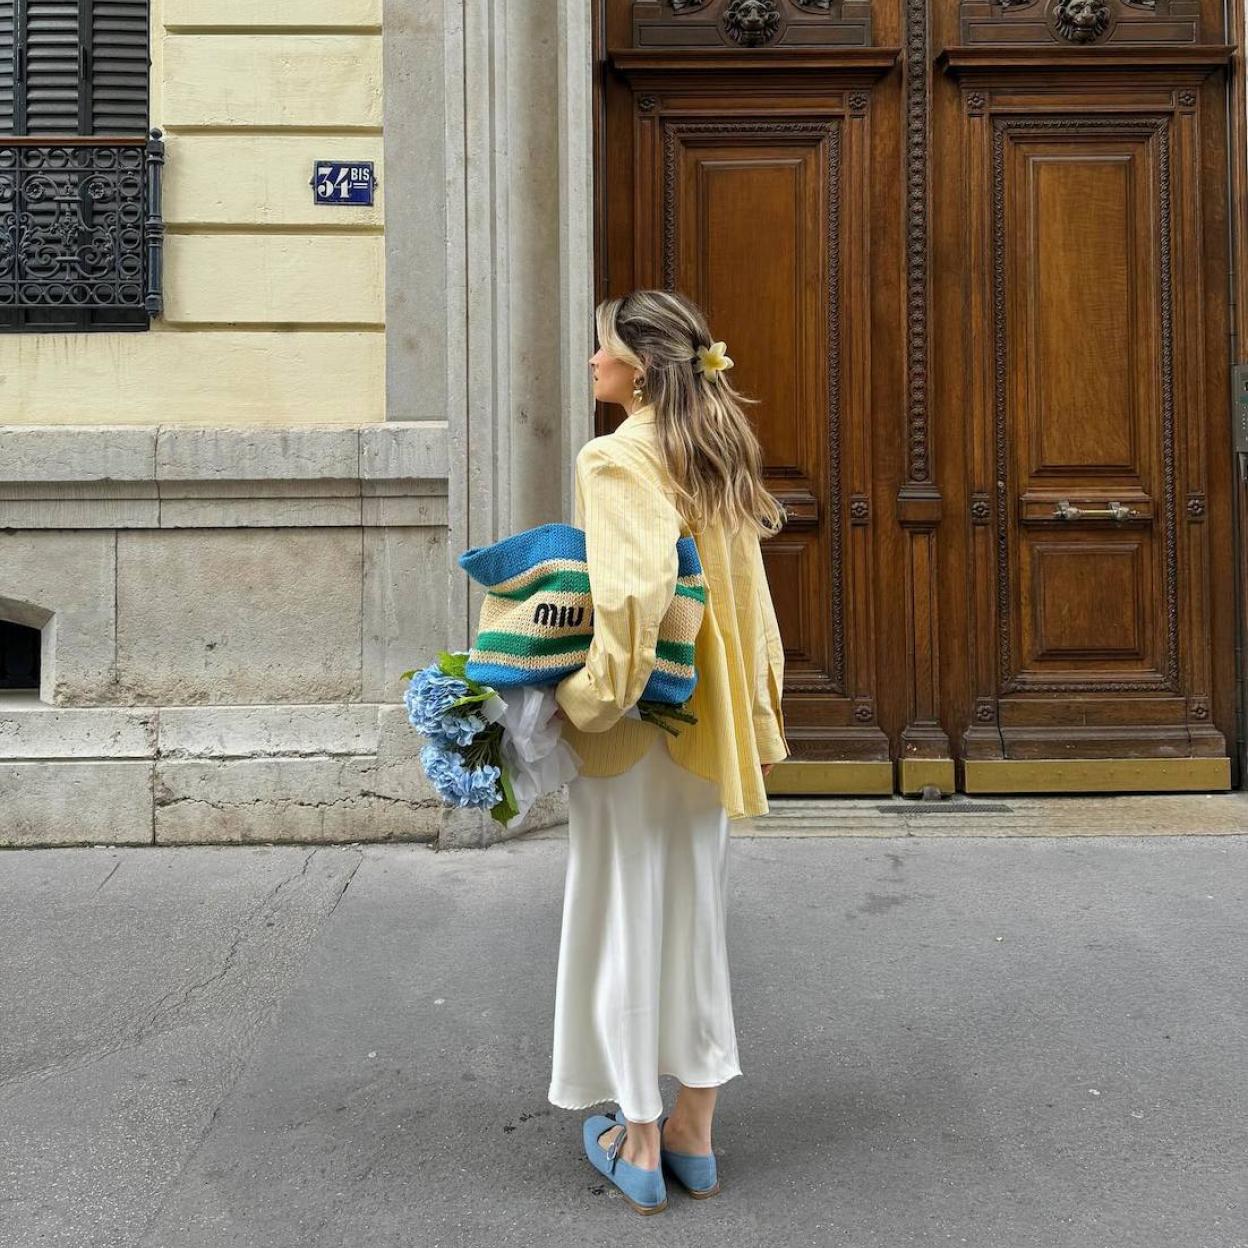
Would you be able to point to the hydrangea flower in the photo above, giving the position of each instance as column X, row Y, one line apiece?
column 458, row 784
column 429, row 699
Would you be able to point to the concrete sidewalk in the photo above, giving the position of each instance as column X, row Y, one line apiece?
column 1015, row 1042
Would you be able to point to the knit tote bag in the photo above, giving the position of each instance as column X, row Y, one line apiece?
column 537, row 619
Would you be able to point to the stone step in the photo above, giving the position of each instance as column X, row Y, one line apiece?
column 1129, row 814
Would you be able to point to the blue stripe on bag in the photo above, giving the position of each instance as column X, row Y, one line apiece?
column 688, row 562
column 661, row 687
column 664, row 687
column 491, row 565
column 499, row 677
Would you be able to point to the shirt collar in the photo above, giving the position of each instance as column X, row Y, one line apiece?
column 644, row 415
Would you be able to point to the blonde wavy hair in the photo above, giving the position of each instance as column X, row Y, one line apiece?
column 712, row 453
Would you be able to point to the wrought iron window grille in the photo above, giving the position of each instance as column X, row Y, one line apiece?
column 80, row 222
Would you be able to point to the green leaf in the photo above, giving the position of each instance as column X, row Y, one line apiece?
column 506, row 809
column 472, row 698
column 455, row 663
column 409, row 675
column 650, row 717
column 660, row 713
column 452, row 664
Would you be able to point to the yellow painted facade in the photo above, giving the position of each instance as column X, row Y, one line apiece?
column 274, row 306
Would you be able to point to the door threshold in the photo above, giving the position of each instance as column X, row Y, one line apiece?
column 829, row 778
column 1096, row 775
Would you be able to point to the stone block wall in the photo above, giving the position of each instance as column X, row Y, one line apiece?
column 225, row 614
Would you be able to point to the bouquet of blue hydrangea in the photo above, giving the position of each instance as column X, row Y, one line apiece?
column 482, row 750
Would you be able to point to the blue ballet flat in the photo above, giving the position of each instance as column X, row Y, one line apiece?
column 696, row 1172
column 644, row 1190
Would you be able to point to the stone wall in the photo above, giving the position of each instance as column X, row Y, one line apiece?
column 225, row 615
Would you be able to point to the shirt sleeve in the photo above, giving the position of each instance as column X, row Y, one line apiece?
column 631, row 530
column 768, row 672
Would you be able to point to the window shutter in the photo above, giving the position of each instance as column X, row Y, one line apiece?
column 8, row 93
column 50, row 65
column 117, row 66
column 73, row 66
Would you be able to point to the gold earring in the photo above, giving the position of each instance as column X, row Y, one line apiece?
column 637, row 390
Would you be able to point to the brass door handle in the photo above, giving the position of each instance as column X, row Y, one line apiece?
column 1115, row 511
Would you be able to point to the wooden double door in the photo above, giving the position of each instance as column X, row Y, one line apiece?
column 973, row 260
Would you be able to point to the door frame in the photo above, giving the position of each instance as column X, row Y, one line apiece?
column 1237, row 216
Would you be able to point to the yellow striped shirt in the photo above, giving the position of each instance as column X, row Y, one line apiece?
column 625, row 504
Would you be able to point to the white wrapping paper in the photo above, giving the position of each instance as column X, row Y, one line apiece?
column 536, row 756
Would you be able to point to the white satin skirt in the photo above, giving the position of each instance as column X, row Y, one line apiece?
column 642, row 987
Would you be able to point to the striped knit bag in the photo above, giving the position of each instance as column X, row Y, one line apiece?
column 537, row 618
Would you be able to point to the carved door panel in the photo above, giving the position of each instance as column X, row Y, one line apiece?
column 749, row 191
column 1088, row 495
column 1086, row 539
column 759, row 216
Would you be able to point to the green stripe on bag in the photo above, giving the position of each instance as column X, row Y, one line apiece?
column 692, row 591
column 522, row 643
column 674, row 651
column 565, row 581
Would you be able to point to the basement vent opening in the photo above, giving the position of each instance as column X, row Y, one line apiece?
column 19, row 657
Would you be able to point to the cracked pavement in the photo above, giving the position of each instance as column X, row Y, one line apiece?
column 966, row 1040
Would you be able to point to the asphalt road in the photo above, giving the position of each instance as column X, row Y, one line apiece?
column 1002, row 1043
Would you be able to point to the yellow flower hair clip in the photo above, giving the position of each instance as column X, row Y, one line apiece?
column 712, row 360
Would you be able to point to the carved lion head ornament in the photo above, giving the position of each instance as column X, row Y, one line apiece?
column 1081, row 21
column 751, row 22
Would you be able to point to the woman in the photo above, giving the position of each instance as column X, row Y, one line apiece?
column 642, row 987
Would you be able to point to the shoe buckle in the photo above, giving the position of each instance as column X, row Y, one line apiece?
column 613, row 1150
